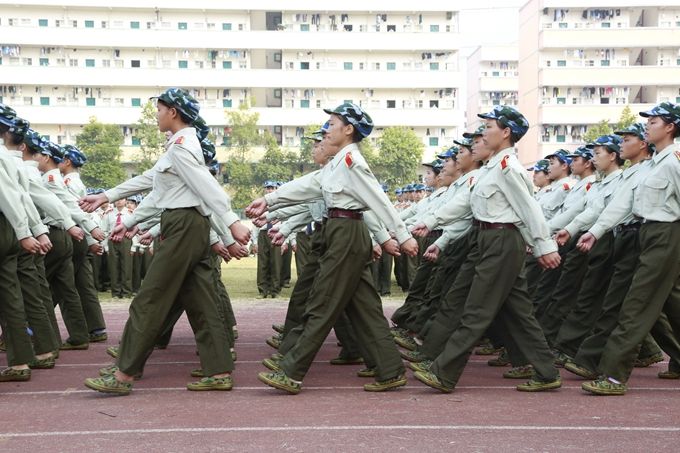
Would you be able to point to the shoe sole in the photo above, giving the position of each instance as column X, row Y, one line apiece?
column 365, row 375
column 414, row 366
column 648, row 362
column 404, row 344
column 432, row 384
column 409, row 358
column 597, row 391
column 42, row 367
column 385, row 387
column 273, row 345
column 542, row 388
column 277, row 330
column 580, row 373
column 74, row 348
column 276, row 385
column 517, row 376
column 668, row 376
column 16, row 379
column 268, row 364
column 112, row 354
column 108, row 390
column 346, row 362
column 98, row 340
column 221, row 387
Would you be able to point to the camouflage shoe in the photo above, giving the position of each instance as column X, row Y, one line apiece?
column 278, row 328
column 97, row 337
column 234, row 356
column 578, row 370
column 14, row 375
column 111, row 370
column 112, row 351
column 272, row 364
column 519, row 372
column 397, row 331
column 347, row 361
column 501, row 360
column 275, row 341
column 668, row 375
column 412, row 356
column 235, row 332
column 279, row 380
column 406, row 342
column 277, row 356
column 42, row 364
column 604, row 387
column 647, row 361
column 561, row 358
column 109, row 384
column 488, row 349
column 534, row 385
column 389, row 384
column 423, row 365
column 197, row 372
column 67, row 346
column 366, row 372
column 211, row 383
column 431, row 380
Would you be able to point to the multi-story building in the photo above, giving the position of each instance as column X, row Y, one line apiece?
column 63, row 62
column 582, row 62
column 491, row 80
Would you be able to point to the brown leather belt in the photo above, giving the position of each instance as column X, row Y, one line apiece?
column 496, row 226
column 630, row 227
column 335, row 213
column 435, row 234
column 317, row 225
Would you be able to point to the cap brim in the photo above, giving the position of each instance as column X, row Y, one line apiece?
column 648, row 113
column 461, row 144
column 329, row 111
column 486, row 116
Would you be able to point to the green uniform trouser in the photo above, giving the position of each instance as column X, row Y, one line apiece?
column 534, row 272
column 84, row 279
column 100, row 269
column 416, row 292
column 120, row 268
column 552, row 310
column 382, row 274
column 268, row 265
column 584, row 312
column 451, row 260
column 344, row 284
column 655, row 289
column 12, row 316
column 499, row 289
column 286, row 259
column 447, row 318
column 626, row 256
column 44, row 339
column 302, row 249
column 181, row 272
column 60, row 276
column 46, row 296
column 399, row 272
column 549, row 279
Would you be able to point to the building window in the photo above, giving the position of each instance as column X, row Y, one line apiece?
column 89, row 24
column 183, row 64
column 226, row 65
column 304, row 65
column 135, row 64
column 90, row 102
column 561, row 138
column 391, row 66
column 434, row 141
column 181, row 25
column 136, row 102
column 606, row 25
column 563, row 25
column 134, row 24
column 226, row 27
column 44, row 62
column 89, row 62
column 44, row 101
column 304, row 27
column 73, row 62
column 42, row 22
column 495, row 73
column 434, row 28
column 226, row 103
column 561, row 63
column 562, row 101
column 391, row 104
column 604, row 62
column 304, row 103
column 136, row 141
column 434, row 66
column 347, row 65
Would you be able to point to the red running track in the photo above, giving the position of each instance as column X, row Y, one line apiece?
column 55, row 412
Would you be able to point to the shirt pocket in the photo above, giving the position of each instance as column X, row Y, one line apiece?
column 332, row 193
column 655, row 191
column 487, row 201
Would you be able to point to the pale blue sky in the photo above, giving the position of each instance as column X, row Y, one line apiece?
column 489, row 22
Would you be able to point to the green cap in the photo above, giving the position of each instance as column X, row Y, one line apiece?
column 666, row 110
column 477, row 133
column 355, row 116
column 508, row 117
column 182, row 101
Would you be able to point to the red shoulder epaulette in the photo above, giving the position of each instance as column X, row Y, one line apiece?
column 50, row 178
column 504, row 162
column 677, row 154
column 348, row 159
column 565, row 186
column 179, row 140
column 588, row 186
column 471, row 181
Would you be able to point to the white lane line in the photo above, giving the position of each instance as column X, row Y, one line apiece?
column 485, row 428
column 264, row 387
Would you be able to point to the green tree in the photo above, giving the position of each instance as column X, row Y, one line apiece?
column 239, row 174
column 275, row 163
column 151, row 139
column 101, row 144
column 305, row 155
column 244, row 131
column 594, row 131
column 239, row 171
column 401, row 153
column 627, row 118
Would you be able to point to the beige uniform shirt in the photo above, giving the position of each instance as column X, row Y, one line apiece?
column 605, row 191
column 551, row 202
column 11, row 205
column 345, row 182
column 180, row 179
column 53, row 211
column 620, row 210
column 461, row 226
column 55, row 183
column 574, row 203
column 657, row 198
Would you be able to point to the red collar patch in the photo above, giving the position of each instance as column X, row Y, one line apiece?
column 50, row 178
column 179, row 140
column 565, row 186
column 504, row 162
column 348, row 159
column 588, row 186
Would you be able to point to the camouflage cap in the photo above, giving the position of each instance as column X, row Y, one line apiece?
column 561, row 154
column 214, row 167
column 419, row 187
column 637, row 129
column 202, row 129
column 20, row 126
column 508, row 117
column 182, row 101
column 7, row 115
column 582, row 151
column 541, row 165
column 76, row 156
column 398, row 191
column 54, row 151
column 408, row 188
column 35, row 142
column 385, row 188
column 449, row 153
column 355, row 116
column 465, row 142
column 666, row 110
column 611, row 142
column 269, row 183
column 477, row 133
column 208, row 149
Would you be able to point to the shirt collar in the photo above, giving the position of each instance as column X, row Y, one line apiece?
column 341, row 154
column 498, row 157
column 661, row 155
column 179, row 133
column 611, row 176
